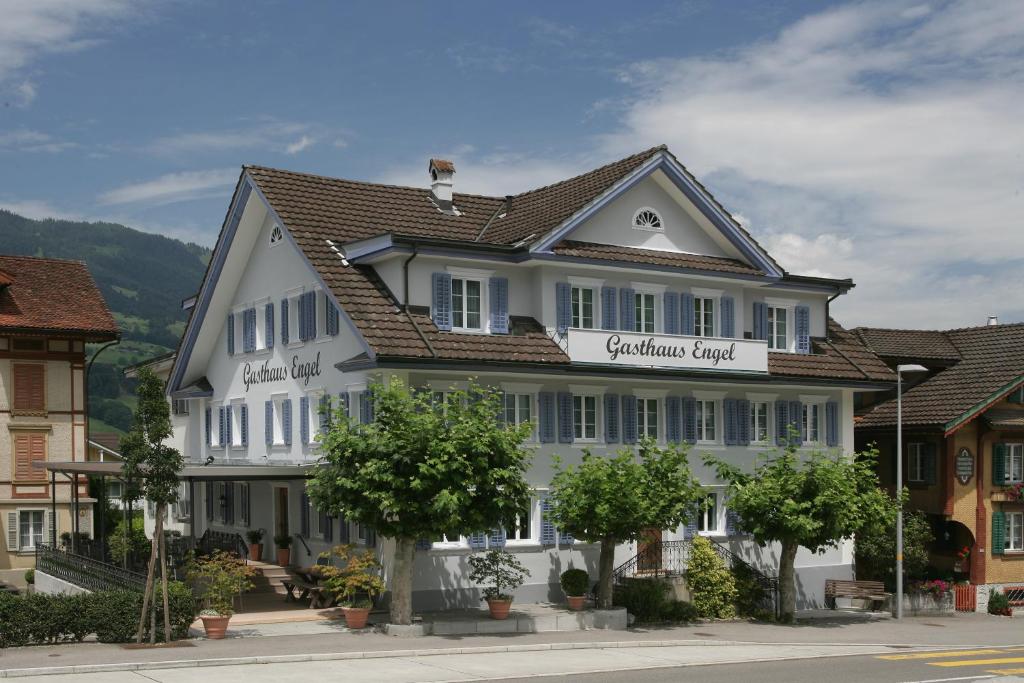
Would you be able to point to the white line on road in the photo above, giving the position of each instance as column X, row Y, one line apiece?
column 958, row 678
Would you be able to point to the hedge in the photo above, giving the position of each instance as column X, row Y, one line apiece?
column 649, row 603
column 113, row 616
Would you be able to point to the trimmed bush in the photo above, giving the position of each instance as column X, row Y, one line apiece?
column 679, row 612
column 575, row 582
column 712, row 586
column 649, row 603
column 999, row 604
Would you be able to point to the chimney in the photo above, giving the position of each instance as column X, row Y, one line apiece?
column 441, row 172
column 993, row 320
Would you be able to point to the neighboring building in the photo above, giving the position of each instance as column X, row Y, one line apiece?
column 49, row 310
column 963, row 441
column 105, row 447
column 621, row 303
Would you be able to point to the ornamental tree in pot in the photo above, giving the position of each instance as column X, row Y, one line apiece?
column 284, row 553
column 498, row 571
column 355, row 583
column 255, row 538
column 221, row 577
column 575, row 583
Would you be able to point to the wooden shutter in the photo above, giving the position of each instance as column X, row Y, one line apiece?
column 563, row 307
column 609, row 306
column 304, row 419
column 231, row 333
column 565, row 538
column 547, row 527
column 781, row 422
column 29, row 448
column 29, row 394
column 546, row 416
column 743, row 412
column 832, row 424
column 674, row 419
column 727, row 307
column 343, row 403
column 286, row 420
column 499, row 304
column 268, row 318
column 229, row 427
column 371, row 537
column 12, row 531
column 565, row 417
column 670, row 302
column 998, row 532
column 497, row 538
column 999, row 464
column 209, row 426
column 690, row 419
column 249, row 336
column 441, row 283
column 611, row 418
column 268, row 422
column 627, row 309
column 803, row 329
column 686, row 322
column 731, row 421
column 332, row 316
column 760, row 323
column 245, row 424
column 629, row 419
column 284, row 322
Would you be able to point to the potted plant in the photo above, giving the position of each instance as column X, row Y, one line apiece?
column 284, row 553
column 575, row 583
column 354, row 582
column 221, row 577
column 999, row 604
column 498, row 571
column 255, row 538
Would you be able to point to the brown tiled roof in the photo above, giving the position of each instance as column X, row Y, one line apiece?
column 841, row 357
column 443, row 165
column 992, row 362
column 530, row 344
column 904, row 344
column 610, row 252
column 53, row 296
column 109, row 440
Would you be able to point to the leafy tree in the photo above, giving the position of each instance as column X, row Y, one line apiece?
column 151, row 468
column 420, row 470
column 876, row 546
column 815, row 502
column 613, row 500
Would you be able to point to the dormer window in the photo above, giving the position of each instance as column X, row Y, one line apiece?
column 647, row 219
column 276, row 235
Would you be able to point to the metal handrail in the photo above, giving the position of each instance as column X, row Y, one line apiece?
column 86, row 572
column 304, row 545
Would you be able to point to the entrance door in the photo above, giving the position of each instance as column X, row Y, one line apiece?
column 281, row 511
column 648, row 558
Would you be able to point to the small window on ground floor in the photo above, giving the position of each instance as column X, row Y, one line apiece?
column 1014, row 531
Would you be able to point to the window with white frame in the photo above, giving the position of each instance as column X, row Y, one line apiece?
column 707, row 415
column 759, row 422
column 645, row 308
column 236, row 423
column 814, row 421
column 584, row 417
column 648, row 219
column 1014, row 539
column 31, row 529
column 703, row 316
column 179, row 406
column 277, row 419
column 778, row 328
column 1014, row 467
column 313, row 414
column 915, row 462
column 523, row 529
column 293, row 296
column 583, row 307
column 467, row 303
column 214, row 426
column 518, row 409
column 707, row 517
column 647, row 418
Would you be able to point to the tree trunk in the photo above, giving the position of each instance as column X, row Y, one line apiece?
column 787, row 581
column 147, row 594
column 606, row 565
column 158, row 533
column 401, row 581
column 162, row 513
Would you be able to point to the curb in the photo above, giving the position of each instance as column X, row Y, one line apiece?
column 388, row 654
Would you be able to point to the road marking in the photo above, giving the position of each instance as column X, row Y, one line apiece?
column 980, row 662
column 958, row 678
column 1006, row 671
column 936, row 655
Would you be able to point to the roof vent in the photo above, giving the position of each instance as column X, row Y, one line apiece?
column 441, row 172
column 993, row 320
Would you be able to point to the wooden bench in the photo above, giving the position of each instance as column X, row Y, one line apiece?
column 318, row 596
column 860, row 590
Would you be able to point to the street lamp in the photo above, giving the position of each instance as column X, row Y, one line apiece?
column 900, row 369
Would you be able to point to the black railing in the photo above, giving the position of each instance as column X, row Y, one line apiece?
column 222, row 540
column 86, row 572
column 309, row 553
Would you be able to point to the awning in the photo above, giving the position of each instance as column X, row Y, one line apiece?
column 219, row 472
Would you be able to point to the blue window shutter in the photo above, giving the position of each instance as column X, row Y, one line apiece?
column 629, row 418
column 609, row 306
column 228, row 436
column 325, row 412
column 304, row 514
column 731, row 421
column 332, row 316
column 286, row 420
column 690, row 419
column 223, row 427
column 231, row 333
column 760, row 320
column 781, row 422
column 423, row 544
column 244, row 421
column 547, row 527
column 311, row 314
column 304, row 419
column 627, row 309
column 249, row 330
column 743, row 411
column 727, row 307
column 499, row 304
column 565, row 538
column 268, row 422
column 803, row 329
column 611, row 418
column 732, row 523
column 565, row 417
column 284, row 322
column 832, row 423
column 546, row 416
column 209, row 426
column 343, row 403
column 674, row 419
column 563, row 307
column 497, row 538
column 478, row 541
column 796, row 419
column 268, row 313
column 441, row 284
column 303, row 318
column 686, row 305
column 671, row 303
column 366, row 406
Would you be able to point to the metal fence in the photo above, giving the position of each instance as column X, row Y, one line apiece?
column 86, row 572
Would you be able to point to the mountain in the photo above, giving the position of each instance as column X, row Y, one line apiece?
column 143, row 277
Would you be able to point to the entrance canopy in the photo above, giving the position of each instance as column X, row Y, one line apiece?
column 190, row 472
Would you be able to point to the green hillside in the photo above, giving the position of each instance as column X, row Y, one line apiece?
column 143, row 277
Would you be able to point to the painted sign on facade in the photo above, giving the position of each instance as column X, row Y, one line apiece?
column 667, row 351
column 964, row 466
column 265, row 372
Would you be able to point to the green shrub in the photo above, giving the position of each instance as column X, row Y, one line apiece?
column 712, row 586
column 998, row 603
column 123, row 544
column 116, row 615
column 645, row 599
column 575, row 582
column 679, row 612
column 13, row 624
column 749, row 593
column 30, row 576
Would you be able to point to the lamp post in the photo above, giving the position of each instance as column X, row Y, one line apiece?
column 900, row 369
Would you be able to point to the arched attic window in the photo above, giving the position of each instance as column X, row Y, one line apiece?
column 276, row 235
column 647, row 219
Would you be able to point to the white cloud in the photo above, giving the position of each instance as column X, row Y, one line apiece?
column 37, row 209
column 302, row 143
column 173, row 187
column 27, row 140
column 287, row 137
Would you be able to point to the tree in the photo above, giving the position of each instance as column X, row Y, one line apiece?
column 815, row 502
column 421, row 469
column 876, row 546
column 151, row 468
column 613, row 500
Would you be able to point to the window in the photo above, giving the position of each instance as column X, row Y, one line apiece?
column 466, row 304
column 778, row 336
column 22, row 344
column 1014, row 531
column 647, row 417
column 703, row 316
column 915, row 462
column 647, row 219
column 448, row 538
column 179, row 406
column 518, row 408
column 707, row 519
column 1014, row 463
column 29, row 391
column 814, row 416
column 238, row 425
column 523, row 530
column 584, row 416
column 644, row 312
column 759, row 422
column 583, row 308
column 29, row 450
column 276, row 234
column 706, row 413
column 30, row 523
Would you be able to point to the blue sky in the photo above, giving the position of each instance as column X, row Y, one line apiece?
column 879, row 141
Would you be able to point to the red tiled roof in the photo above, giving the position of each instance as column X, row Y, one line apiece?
column 53, row 296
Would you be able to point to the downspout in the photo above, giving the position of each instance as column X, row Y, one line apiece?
column 828, row 314
column 405, row 300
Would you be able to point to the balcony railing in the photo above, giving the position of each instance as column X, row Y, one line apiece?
column 86, row 572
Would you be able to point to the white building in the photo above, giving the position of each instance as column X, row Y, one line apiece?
column 620, row 303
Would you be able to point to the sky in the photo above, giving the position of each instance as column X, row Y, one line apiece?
column 881, row 141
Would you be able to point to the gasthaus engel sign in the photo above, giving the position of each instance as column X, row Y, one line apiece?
column 668, row 351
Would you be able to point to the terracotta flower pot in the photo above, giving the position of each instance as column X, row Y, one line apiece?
column 215, row 627
column 355, row 617
column 284, row 556
column 576, row 602
column 255, row 551
column 499, row 608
